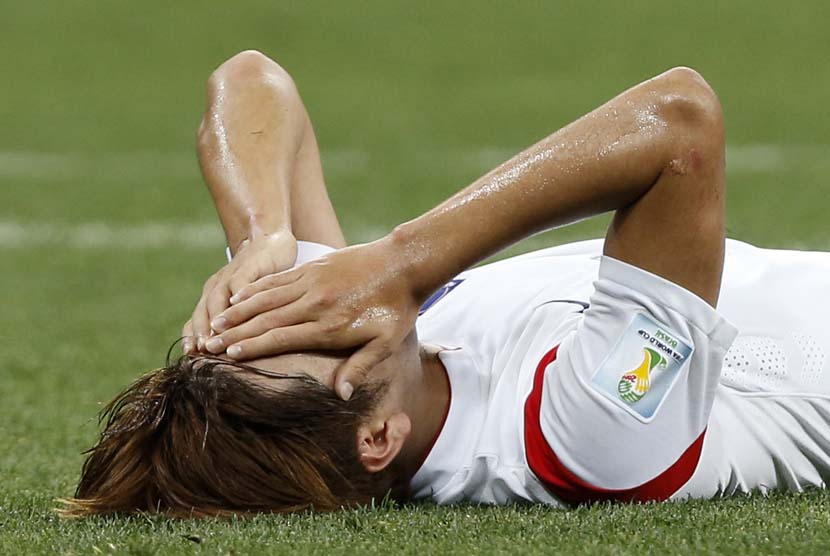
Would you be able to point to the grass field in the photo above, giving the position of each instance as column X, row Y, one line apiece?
column 107, row 234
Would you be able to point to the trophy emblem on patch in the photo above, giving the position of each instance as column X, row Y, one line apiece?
column 635, row 384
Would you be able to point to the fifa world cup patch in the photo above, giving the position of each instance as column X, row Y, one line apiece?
column 642, row 367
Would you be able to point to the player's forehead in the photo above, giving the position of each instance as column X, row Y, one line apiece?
column 320, row 366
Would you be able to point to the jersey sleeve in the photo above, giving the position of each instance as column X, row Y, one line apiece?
column 306, row 251
column 618, row 410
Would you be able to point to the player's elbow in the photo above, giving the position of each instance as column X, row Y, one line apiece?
column 250, row 69
column 694, row 138
column 249, row 75
column 686, row 101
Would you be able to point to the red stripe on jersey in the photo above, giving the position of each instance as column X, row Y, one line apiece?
column 568, row 487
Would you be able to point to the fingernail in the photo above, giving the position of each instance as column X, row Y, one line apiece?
column 214, row 345
column 187, row 346
column 200, row 343
column 218, row 324
column 234, row 299
column 234, row 351
column 346, row 391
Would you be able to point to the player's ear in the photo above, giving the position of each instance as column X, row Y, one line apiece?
column 380, row 441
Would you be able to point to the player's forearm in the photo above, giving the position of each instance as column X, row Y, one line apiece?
column 247, row 144
column 604, row 161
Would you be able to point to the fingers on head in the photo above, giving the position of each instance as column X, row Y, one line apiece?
column 217, row 301
column 240, row 280
column 200, row 322
column 268, row 300
column 257, row 326
column 188, row 343
column 268, row 282
column 354, row 371
column 275, row 341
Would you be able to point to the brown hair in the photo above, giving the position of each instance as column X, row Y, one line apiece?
column 197, row 438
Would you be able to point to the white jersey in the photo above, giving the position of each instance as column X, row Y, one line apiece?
column 576, row 377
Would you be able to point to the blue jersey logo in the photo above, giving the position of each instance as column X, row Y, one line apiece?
column 439, row 295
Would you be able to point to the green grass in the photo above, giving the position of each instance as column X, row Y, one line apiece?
column 736, row 527
column 98, row 108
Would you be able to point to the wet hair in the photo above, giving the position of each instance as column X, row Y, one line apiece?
column 198, row 438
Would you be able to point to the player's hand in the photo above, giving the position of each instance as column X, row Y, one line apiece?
column 257, row 257
column 358, row 297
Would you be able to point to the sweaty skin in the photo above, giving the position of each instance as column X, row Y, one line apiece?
column 253, row 121
column 652, row 154
column 260, row 161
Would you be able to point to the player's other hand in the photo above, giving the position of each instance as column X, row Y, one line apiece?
column 257, row 257
column 358, row 297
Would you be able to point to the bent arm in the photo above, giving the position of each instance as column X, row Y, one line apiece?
column 247, row 144
column 259, row 155
column 259, row 159
column 654, row 154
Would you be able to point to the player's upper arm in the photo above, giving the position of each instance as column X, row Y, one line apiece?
column 676, row 229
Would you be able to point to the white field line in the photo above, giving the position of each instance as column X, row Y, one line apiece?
column 202, row 236
column 147, row 236
column 760, row 158
column 101, row 235
column 137, row 165
column 340, row 162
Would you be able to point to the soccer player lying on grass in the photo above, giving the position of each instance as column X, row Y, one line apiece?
column 593, row 371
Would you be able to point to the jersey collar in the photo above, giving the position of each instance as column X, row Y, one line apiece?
column 450, row 452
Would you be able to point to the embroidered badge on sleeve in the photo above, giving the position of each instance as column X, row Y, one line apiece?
column 642, row 367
